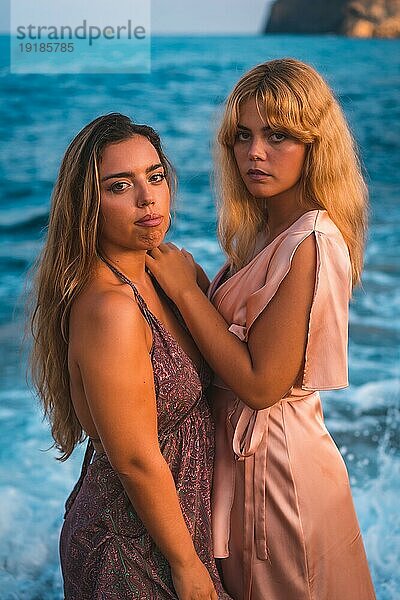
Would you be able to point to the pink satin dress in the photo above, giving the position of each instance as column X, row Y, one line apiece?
column 284, row 523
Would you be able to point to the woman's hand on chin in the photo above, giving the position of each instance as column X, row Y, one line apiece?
column 174, row 269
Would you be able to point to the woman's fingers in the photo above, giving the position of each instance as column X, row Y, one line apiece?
column 163, row 248
column 154, row 252
column 187, row 254
column 168, row 248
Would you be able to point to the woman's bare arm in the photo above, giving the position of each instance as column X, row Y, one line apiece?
column 262, row 371
column 117, row 377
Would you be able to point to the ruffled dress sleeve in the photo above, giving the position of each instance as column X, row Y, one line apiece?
column 325, row 365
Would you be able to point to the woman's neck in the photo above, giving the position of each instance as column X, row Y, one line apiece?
column 282, row 213
column 278, row 222
column 131, row 264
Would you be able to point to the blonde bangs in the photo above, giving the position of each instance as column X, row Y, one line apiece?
column 282, row 112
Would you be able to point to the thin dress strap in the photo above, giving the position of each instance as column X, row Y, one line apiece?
column 141, row 303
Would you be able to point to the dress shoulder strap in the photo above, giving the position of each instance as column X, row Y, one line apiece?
column 141, row 302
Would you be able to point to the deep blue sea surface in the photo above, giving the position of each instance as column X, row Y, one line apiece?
column 181, row 98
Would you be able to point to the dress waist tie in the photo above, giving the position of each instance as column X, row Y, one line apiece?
column 250, row 444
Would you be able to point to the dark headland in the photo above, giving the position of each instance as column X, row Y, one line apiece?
column 353, row 18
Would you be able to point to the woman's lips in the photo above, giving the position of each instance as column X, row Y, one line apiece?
column 150, row 220
column 257, row 174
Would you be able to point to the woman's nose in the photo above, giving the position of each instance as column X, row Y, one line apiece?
column 257, row 150
column 145, row 197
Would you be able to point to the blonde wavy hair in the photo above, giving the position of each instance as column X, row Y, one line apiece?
column 66, row 262
column 293, row 98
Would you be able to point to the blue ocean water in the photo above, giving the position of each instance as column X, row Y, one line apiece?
column 181, row 98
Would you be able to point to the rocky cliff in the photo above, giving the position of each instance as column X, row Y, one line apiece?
column 355, row 18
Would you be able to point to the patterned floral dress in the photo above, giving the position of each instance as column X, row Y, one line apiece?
column 106, row 552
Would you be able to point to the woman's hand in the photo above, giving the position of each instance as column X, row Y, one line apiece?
column 174, row 269
column 202, row 280
column 193, row 582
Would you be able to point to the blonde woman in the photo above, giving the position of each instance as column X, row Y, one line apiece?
column 112, row 361
column 292, row 221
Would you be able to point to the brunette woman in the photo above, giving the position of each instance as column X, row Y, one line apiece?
column 112, row 360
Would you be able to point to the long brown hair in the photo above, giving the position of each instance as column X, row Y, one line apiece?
column 66, row 262
column 293, row 98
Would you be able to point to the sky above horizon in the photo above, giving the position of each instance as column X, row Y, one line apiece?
column 200, row 17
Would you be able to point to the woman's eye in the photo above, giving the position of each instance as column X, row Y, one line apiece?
column 277, row 136
column 243, row 136
column 157, row 177
column 119, row 186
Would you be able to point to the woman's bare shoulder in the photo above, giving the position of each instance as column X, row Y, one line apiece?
column 102, row 309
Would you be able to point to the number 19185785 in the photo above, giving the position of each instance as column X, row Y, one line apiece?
column 47, row 47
